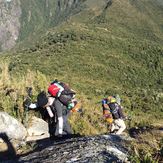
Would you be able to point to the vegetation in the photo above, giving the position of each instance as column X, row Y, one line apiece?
column 107, row 50
column 147, row 148
column 38, row 16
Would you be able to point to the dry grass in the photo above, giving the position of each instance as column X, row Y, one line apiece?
column 13, row 92
column 147, row 146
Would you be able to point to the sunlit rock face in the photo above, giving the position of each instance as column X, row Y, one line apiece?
column 11, row 127
column 104, row 148
column 10, row 13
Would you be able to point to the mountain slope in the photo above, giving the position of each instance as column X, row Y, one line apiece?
column 105, row 48
column 21, row 19
column 40, row 15
column 9, row 23
column 112, row 47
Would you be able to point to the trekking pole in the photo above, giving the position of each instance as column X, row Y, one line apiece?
column 26, row 104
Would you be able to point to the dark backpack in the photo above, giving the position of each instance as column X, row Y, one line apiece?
column 114, row 107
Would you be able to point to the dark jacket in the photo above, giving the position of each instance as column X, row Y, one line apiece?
column 116, row 111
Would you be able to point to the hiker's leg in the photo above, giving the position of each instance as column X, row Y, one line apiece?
column 66, row 125
column 52, row 126
column 112, row 127
column 59, row 109
column 121, row 125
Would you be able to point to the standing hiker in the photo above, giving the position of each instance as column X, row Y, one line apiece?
column 117, row 122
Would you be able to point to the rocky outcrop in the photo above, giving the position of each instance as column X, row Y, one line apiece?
column 102, row 148
column 18, row 18
column 38, row 129
column 10, row 13
column 105, row 148
column 11, row 127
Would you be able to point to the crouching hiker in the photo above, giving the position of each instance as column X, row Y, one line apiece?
column 58, row 114
column 117, row 124
column 55, row 112
column 58, row 109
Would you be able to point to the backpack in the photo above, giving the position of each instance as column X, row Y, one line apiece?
column 56, row 89
column 114, row 107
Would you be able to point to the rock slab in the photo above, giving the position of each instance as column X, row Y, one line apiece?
column 11, row 127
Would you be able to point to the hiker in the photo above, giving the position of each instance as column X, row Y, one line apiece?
column 115, row 109
column 58, row 104
column 57, row 115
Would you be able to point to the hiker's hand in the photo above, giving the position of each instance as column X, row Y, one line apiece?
column 26, row 103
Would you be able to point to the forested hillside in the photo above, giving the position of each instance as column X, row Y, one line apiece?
column 107, row 48
column 20, row 19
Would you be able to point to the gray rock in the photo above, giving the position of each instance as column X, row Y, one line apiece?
column 37, row 127
column 10, row 13
column 11, row 127
column 81, row 149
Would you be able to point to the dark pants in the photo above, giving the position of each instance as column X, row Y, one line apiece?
column 66, row 127
column 52, row 124
column 64, row 113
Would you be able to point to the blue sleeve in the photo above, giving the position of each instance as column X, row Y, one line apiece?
column 104, row 101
